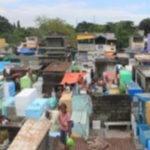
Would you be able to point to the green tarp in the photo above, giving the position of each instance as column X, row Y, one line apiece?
column 77, row 67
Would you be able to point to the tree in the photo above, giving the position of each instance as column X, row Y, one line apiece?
column 18, row 24
column 47, row 25
column 89, row 27
column 123, row 31
column 110, row 27
column 145, row 25
column 5, row 26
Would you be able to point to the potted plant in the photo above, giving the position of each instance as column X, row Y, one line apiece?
column 4, row 139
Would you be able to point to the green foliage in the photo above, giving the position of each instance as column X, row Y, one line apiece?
column 15, row 33
column 5, row 26
column 145, row 25
column 47, row 26
column 123, row 30
column 89, row 27
column 3, row 135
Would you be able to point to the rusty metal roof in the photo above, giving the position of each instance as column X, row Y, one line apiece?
column 57, row 66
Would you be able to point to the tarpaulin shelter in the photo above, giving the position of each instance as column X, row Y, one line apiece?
column 72, row 77
column 27, row 51
column 77, row 67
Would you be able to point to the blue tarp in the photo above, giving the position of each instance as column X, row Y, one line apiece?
column 3, row 64
column 26, row 51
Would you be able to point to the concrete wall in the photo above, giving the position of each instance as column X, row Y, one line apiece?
column 136, row 45
column 105, row 47
column 55, row 42
column 86, row 47
column 111, row 108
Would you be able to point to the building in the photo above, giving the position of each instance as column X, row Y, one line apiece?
column 54, row 41
column 96, row 42
column 137, row 41
column 32, row 42
column 91, row 45
column 2, row 43
column 54, row 47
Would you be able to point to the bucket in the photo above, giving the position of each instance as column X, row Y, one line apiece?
column 96, row 124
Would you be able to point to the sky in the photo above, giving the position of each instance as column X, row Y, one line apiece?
column 75, row 11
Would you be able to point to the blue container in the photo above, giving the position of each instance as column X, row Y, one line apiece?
column 36, row 108
column 133, row 88
column 12, row 89
column 53, row 102
column 144, row 134
column 148, row 145
column 9, row 102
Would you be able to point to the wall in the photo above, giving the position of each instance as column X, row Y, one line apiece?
column 55, row 42
column 104, row 65
column 86, row 47
column 105, row 47
column 111, row 108
column 136, row 45
column 143, row 79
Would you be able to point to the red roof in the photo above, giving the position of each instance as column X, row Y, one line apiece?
column 72, row 77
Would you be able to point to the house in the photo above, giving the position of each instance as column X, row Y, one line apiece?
column 96, row 42
column 106, row 42
column 93, row 45
column 137, row 41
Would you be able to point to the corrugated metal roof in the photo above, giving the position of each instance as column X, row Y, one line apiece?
column 57, row 66
column 108, row 36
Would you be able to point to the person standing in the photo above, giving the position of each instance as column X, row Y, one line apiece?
column 65, row 126
column 92, row 74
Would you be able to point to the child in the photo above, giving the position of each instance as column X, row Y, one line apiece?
column 65, row 124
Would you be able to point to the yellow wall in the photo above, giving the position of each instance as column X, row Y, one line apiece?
column 85, row 36
column 2, row 43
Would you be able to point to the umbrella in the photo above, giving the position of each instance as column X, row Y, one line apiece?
column 26, row 51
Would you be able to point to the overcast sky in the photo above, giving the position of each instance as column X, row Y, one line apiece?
column 74, row 11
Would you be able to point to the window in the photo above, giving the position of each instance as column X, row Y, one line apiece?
column 138, row 39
